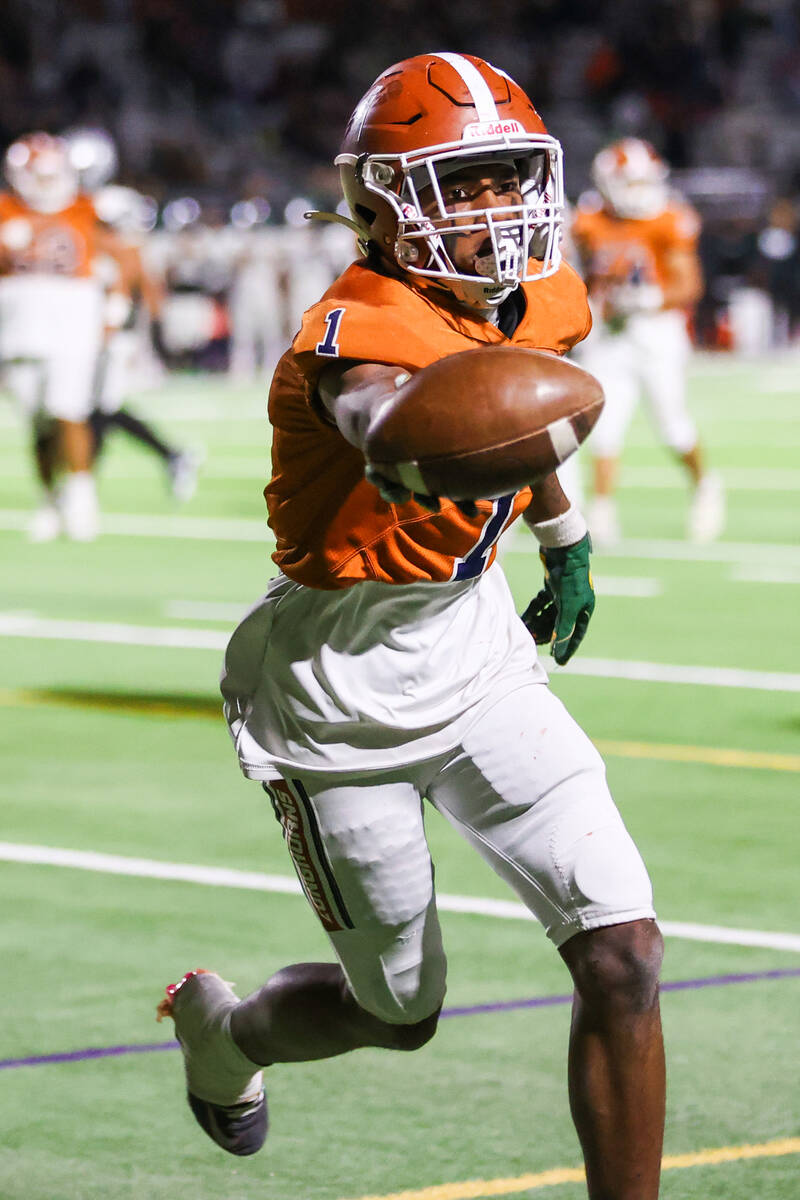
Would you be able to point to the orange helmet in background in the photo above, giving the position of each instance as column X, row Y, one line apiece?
column 632, row 179
column 431, row 115
column 38, row 168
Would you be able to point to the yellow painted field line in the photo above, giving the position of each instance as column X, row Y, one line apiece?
column 482, row 1189
column 711, row 755
column 133, row 705
column 210, row 709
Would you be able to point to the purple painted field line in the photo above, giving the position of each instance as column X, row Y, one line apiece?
column 678, row 985
column 41, row 1060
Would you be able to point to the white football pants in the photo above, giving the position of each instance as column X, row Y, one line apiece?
column 647, row 359
column 526, row 788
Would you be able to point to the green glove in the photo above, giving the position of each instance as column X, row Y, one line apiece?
column 561, row 611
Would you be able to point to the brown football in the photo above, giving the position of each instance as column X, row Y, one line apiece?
column 483, row 423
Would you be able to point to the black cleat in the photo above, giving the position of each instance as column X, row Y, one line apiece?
column 199, row 1004
column 240, row 1129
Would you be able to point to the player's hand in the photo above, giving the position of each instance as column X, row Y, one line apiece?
column 561, row 611
column 396, row 493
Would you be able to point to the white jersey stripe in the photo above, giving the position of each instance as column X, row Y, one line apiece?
column 476, row 85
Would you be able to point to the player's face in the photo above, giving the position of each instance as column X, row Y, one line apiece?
column 494, row 185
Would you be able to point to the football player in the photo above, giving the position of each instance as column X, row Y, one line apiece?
column 132, row 310
column 257, row 303
column 387, row 664
column 637, row 244
column 52, row 323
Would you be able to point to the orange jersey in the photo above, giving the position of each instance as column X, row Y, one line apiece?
column 59, row 243
column 618, row 250
column 332, row 528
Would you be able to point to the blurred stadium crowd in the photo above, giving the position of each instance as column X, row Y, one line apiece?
column 226, row 115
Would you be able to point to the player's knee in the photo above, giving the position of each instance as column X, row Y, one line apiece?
column 394, row 1027
column 407, row 1008
column 407, row 1005
column 617, row 967
column 414, row 1037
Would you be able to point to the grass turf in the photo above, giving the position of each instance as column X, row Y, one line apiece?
column 119, row 748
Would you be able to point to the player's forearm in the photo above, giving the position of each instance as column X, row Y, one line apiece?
column 681, row 295
column 684, row 285
column 354, row 394
column 552, row 518
column 547, row 501
column 152, row 292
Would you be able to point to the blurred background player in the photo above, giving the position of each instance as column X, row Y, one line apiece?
column 279, row 273
column 52, row 322
column 636, row 241
column 257, row 294
column 196, row 253
column 134, row 300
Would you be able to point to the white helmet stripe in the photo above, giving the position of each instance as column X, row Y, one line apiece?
column 476, row 85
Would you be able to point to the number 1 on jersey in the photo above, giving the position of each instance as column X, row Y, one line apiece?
column 476, row 562
column 329, row 346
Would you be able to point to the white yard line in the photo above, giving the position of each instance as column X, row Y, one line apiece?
column 742, row 573
column 255, row 881
column 23, row 625
column 218, row 529
column 254, row 472
column 519, row 540
column 649, row 672
column 211, row 529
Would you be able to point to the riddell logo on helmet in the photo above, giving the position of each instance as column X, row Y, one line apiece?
column 484, row 129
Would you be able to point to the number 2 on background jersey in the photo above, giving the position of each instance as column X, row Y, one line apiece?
column 475, row 563
column 329, row 346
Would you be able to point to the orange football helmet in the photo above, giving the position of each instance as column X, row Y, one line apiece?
column 39, row 170
column 632, row 179
column 431, row 115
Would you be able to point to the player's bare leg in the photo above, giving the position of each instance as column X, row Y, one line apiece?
column 707, row 511
column 76, row 445
column 307, row 1011
column 604, row 471
column 45, row 525
column 304, row 1012
column 602, row 516
column 616, row 1059
column 78, row 496
column 693, row 462
column 45, row 452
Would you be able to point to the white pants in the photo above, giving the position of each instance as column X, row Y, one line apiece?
column 648, row 358
column 123, row 368
column 525, row 787
column 50, row 338
column 257, row 319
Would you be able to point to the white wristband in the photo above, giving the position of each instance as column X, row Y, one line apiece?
column 564, row 530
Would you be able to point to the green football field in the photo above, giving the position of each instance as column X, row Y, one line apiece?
column 132, row 849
